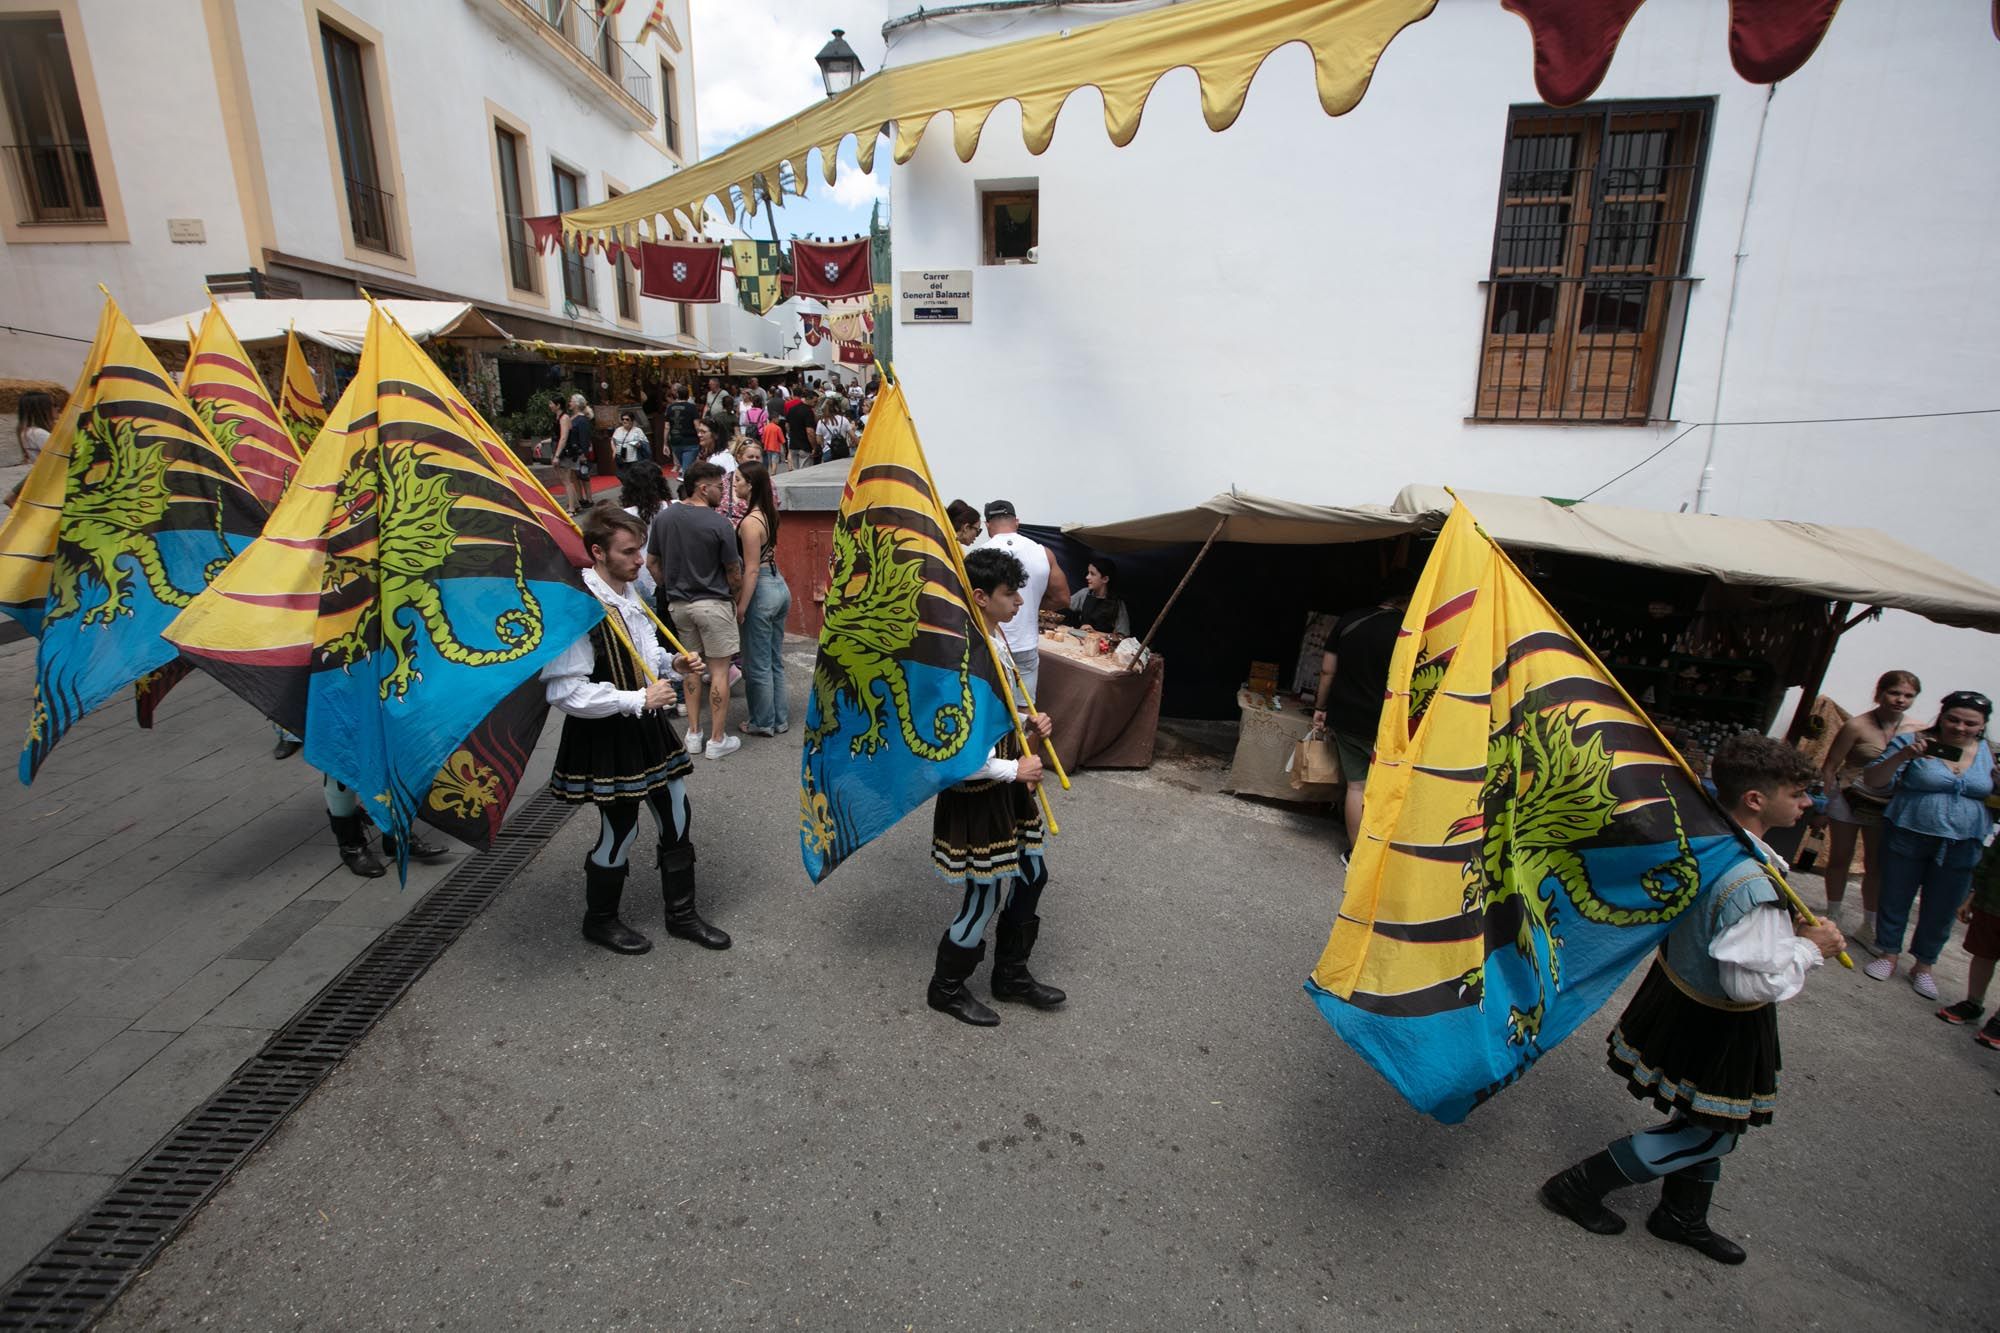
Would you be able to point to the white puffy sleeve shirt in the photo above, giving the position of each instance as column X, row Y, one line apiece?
column 1764, row 960
column 566, row 681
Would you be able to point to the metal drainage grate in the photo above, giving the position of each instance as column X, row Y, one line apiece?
column 77, row 1277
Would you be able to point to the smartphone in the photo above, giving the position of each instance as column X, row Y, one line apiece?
column 1951, row 754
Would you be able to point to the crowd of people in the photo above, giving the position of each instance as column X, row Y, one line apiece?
column 786, row 425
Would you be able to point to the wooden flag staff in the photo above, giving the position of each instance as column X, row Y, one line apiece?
column 1158, row 620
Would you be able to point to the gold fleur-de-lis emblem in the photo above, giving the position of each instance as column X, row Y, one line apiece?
column 465, row 786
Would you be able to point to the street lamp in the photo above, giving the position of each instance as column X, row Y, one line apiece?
column 839, row 67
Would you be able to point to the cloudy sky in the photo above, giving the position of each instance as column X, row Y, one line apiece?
column 753, row 62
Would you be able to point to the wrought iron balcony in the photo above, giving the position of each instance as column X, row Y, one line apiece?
column 371, row 214
column 54, row 183
column 595, row 41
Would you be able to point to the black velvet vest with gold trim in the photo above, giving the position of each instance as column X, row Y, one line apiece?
column 620, row 757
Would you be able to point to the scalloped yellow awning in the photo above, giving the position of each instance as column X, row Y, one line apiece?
column 1223, row 41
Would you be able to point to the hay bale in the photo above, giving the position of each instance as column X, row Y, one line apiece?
column 11, row 391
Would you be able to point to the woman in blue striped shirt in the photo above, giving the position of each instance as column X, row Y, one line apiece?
column 1936, row 824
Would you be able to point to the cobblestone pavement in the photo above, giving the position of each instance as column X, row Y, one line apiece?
column 167, row 899
column 543, row 1135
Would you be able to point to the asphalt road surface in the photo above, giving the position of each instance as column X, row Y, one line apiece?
column 544, row 1135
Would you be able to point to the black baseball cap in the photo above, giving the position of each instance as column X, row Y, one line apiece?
column 1000, row 509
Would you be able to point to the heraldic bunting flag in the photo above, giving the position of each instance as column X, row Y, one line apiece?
column 407, row 589
column 299, row 405
column 906, row 700
column 130, row 511
column 230, row 398
column 1528, row 838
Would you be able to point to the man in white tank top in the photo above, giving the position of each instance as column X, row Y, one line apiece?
column 1046, row 585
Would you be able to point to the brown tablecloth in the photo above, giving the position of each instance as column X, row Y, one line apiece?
column 1103, row 719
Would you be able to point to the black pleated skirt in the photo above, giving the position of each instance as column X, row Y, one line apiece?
column 981, row 832
column 1715, row 1067
column 604, row 759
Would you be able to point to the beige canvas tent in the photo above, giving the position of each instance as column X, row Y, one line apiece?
column 1859, row 566
column 1848, row 571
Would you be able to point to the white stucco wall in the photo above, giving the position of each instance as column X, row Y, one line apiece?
column 443, row 60
column 170, row 161
column 1293, row 306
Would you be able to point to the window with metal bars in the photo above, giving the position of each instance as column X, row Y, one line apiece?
column 371, row 210
column 625, row 277
column 53, row 174
column 522, row 269
column 1590, row 251
column 575, row 271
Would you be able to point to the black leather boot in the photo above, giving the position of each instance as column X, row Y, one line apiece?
column 677, row 888
column 1013, row 940
column 1577, row 1192
column 948, row 993
column 1682, row 1217
column 350, row 834
column 419, row 849
column 603, row 886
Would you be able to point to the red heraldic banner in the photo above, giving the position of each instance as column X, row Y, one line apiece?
column 691, row 273
column 831, row 272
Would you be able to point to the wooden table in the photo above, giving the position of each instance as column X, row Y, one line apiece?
column 1105, row 716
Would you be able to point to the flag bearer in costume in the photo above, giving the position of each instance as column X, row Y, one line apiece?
column 618, row 750
column 1700, row 1038
column 986, row 834
column 350, row 834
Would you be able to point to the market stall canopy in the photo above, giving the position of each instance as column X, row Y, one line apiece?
column 667, row 358
column 1256, row 519
column 341, row 325
column 1224, row 41
column 1839, row 564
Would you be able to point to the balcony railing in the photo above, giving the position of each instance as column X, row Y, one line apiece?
column 55, row 183
column 595, row 41
column 524, row 266
column 371, row 213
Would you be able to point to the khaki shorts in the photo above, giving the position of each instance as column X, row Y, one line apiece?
column 707, row 627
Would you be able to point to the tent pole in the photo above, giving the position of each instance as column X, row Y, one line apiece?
column 1147, row 642
column 1837, row 624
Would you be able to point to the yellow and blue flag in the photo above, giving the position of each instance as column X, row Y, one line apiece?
column 299, row 404
column 229, row 396
column 1529, row 837
column 405, row 592
column 906, row 700
column 130, row 511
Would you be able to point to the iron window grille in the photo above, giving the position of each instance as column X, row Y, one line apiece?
column 1591, row 242
column 575, row 269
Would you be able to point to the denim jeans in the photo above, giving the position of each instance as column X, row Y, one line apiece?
column 1938, row 868
column 764, row 650
column 684, row 456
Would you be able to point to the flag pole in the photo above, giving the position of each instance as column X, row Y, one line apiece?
column 1791, row 895
column 1048, row 746
column 965, row 583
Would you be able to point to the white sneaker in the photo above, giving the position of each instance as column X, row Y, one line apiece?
column 727, row 745
column 692, row 741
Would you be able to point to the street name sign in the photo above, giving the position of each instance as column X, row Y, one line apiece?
column 934, row 296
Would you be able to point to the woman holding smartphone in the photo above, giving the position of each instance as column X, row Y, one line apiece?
column 1934, row 827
